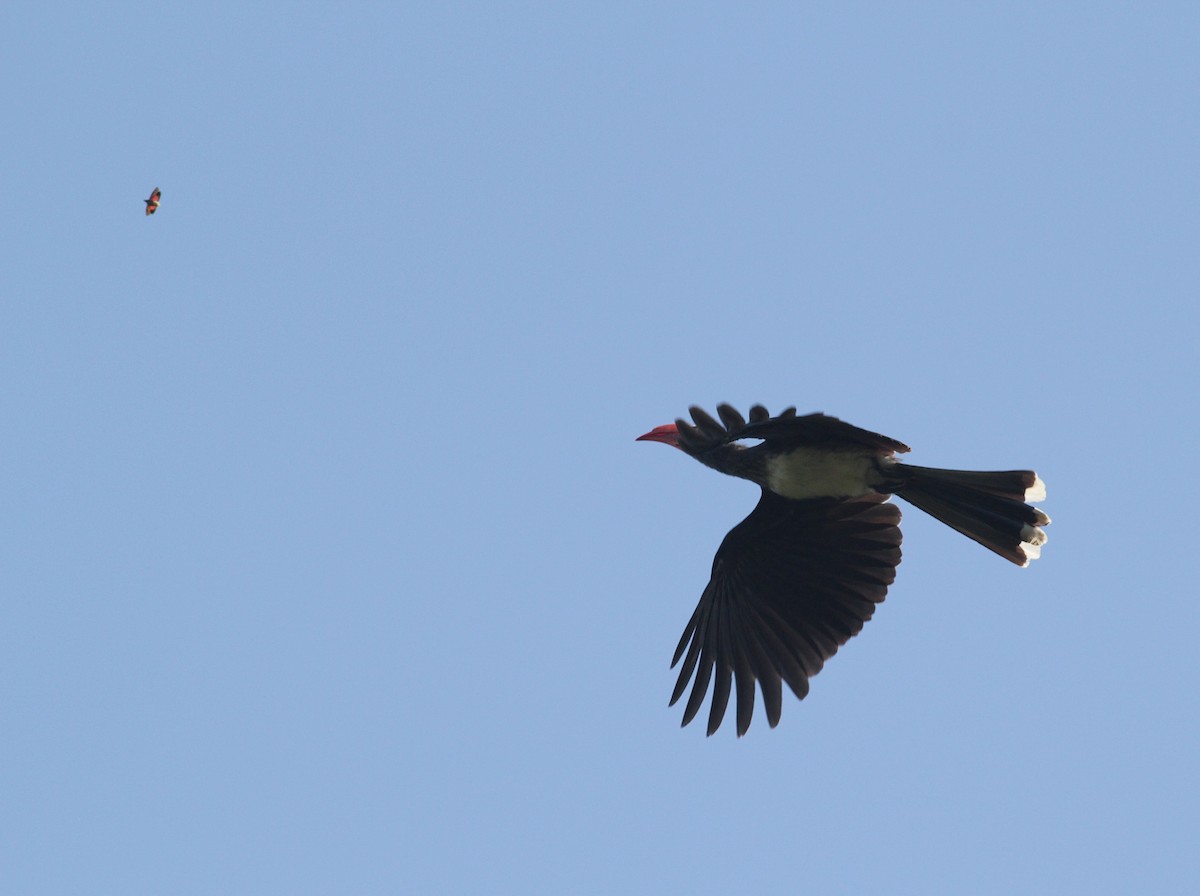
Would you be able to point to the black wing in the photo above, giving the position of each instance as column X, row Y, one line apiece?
column 790, row 584
column 785, row 430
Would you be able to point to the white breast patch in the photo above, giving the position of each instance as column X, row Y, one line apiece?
column 820, row 473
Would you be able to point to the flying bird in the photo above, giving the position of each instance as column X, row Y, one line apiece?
column 152, row 202
column 803, row 572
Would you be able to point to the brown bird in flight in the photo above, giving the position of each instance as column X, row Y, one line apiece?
column 803, row 572
column 152, row 202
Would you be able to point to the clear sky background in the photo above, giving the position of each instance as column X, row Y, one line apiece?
column 331, row 565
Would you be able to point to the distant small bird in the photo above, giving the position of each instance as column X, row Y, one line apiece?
column 803, row 572
column 152, row 202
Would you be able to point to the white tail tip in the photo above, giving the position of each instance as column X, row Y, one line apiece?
column 1032, row 539
column 1033, row 535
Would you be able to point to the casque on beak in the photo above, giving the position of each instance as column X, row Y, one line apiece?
column 668, row 434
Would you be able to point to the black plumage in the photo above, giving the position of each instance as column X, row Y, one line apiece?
column 805, row 570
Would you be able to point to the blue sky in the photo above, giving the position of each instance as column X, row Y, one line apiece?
column 331, row 565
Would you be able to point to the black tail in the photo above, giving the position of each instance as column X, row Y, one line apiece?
column 991, row 508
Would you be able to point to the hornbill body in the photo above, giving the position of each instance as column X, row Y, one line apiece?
column 803, row 572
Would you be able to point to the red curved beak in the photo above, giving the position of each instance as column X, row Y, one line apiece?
column 668, row 434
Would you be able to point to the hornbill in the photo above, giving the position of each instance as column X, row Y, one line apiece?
column 152, row 202
column 801, row 574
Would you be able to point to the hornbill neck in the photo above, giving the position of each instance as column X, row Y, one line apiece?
column 735, row 460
